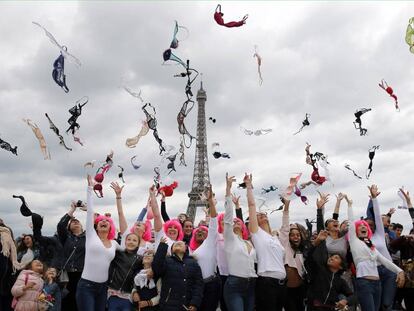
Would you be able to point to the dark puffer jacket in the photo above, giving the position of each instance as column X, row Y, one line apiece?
column 182, row 281
column 73, row 246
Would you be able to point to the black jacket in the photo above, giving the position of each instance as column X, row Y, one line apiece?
column 325, row 286
column 50, row 248
column 73, row 247
column 182, row 281
column 123, row 269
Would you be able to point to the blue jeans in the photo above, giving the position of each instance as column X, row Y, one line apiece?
column 91, row 296
column 369, row 294
column 239, row 293
column 388, row 286
column 116, row 303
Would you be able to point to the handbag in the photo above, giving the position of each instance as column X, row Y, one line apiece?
column 408, row 268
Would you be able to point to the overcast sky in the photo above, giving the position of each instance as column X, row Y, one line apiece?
column 321, row 58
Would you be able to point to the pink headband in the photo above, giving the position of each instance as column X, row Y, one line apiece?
column 174, row 223
column 193, row 243
column 111, row 233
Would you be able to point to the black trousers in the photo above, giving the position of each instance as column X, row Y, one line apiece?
column 211, row 295
column 295, row 298
column 270, row 294
column 69, row 302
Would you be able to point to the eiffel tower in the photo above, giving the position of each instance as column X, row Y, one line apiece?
column 201, row 177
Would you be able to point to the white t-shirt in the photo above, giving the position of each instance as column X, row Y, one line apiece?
column 221, row 256
column 240, row 261
column 206, row 253
column 270, row 255
column 97, row 256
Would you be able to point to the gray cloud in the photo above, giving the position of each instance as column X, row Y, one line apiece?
column 323, row 59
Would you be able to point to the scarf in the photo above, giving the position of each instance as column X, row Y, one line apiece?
column 8, row 247
column 142, row 281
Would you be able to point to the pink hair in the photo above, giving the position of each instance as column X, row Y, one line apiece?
column 111, row 233
column 174, row 223
column 146, row 236
column 358, row 223
column 193, row 243
column 245, row 231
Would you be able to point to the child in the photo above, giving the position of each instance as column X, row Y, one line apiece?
column 146, row 291
column 51, row 291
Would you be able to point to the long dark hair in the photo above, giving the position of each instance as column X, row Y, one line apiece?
column 21, row 247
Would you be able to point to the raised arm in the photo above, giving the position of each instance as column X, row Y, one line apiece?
column 379, row 227
column 236, row 202
column 253, row 224
column 62, row 226
column 123, row 226
column 90, row 211
column 339, row 197
column 155, row 209
column 284, row 230
column 407, row 198
column 228, row 211
column 320, row 203
column 351, row 230
column 158, row 265
column 164, row 213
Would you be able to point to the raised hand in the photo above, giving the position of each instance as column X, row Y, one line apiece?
column 323, row 199
column 407, row 197
column 236, row 200
column 348, row 200
column 118, row 189
column 248, row 180
column 229, row 182
column 373, row 190
column 391, row 211
column 340, row 196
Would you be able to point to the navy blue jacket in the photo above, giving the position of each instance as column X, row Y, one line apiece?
column 182, row 281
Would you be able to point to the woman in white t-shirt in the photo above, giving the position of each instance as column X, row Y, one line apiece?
column 100, row 247
column 366, row 258
column 241, row 255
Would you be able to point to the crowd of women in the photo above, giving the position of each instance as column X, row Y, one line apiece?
column 224, row 262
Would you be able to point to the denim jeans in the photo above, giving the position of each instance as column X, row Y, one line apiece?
column 116, row 303
column 369, row 294
column 91, row 296
column 388, row 286
column 239, row 293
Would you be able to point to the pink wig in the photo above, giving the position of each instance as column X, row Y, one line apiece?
column 146, row 236
column 174, row 223
column 219, row 220
column 111, row 233
column 358, row 223
column 245, row 232
column 193, row 243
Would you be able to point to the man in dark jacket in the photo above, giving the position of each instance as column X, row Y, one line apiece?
column 72, row 237
column 182, row 281
column 327, row 290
